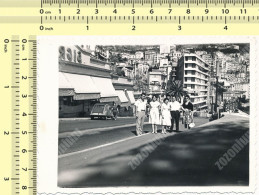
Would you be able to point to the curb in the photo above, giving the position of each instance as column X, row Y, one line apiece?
column 86, row 131
column 85, row 119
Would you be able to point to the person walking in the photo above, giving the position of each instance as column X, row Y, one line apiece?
column 187, row 107
column 114, row 111
column 141, row 107
column 166, row 116
column 175, row 107
column 154, row 113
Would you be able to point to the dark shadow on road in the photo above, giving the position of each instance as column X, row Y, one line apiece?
column 185, row 159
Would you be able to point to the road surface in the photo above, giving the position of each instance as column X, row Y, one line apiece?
column 111, row 158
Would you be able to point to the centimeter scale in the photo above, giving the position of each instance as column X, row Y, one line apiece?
column 20, row 20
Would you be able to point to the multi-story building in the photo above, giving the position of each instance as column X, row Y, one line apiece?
column 242, row 87
column 174, row 70
column 157, row 81
column 139, row 55
column 193, row 71
column 151, row 57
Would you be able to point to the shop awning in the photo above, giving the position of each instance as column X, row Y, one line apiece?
column 83, row 85
column 130, row 96
column 123, row 98
column 104, row 85
column 65, row 88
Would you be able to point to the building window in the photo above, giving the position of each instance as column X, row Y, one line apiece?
column 186, row 65
column 185, row 79
column 193, row 72
column 192, row 86
column 193, row 65
column 186, row 72
column 193, row 79
column 186, row 58
column 193, row 58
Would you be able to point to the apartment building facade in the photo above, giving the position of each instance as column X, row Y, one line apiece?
column 193, row 71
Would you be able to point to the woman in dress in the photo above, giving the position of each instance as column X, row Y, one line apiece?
column 187, row 107
column 154, row 113
column 166, row 115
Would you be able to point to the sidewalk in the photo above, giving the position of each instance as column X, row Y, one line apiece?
column 181, row 159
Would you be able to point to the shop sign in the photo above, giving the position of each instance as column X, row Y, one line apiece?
column 70, row 54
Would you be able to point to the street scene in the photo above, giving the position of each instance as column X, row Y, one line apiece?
column 156, row 115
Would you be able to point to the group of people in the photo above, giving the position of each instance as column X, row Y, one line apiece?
column 163, row 113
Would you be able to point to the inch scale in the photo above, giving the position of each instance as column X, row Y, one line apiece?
column 131, row 16
column 19, row 115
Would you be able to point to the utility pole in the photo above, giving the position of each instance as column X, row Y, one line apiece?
column 217, row 83
column 216, row 97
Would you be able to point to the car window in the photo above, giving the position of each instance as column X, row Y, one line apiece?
column 98, row 108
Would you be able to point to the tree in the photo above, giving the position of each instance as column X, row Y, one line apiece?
column 175, row 88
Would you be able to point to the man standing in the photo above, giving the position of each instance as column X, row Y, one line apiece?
column 141, row 106
column 175, row 107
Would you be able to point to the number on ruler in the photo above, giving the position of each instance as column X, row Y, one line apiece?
column 188, row 11
column 115, row 11
column 6, row 132
column 24, row 132
column 225, row 11
column 133, row 11
column 24, row 151
column 243, row 11
column 170, row 11
column 226, row 27
column 151, row 11
column 96, row 11
column 24, row 77
column 41, row 11
column 179, row 27
column 133, row 27
column 207, row 11
column 78, row 11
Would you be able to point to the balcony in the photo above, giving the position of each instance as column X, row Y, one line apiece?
column 199, row 102
column 195, row 83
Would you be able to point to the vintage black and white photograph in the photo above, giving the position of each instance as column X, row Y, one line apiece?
column 153, row 115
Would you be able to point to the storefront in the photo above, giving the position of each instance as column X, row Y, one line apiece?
column 83, row 82
column 124, row 90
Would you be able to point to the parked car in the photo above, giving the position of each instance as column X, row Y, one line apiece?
column 102, row 111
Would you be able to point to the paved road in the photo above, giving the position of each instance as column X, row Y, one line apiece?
column 93, row 137
column 71, row 125
column 180, row 159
